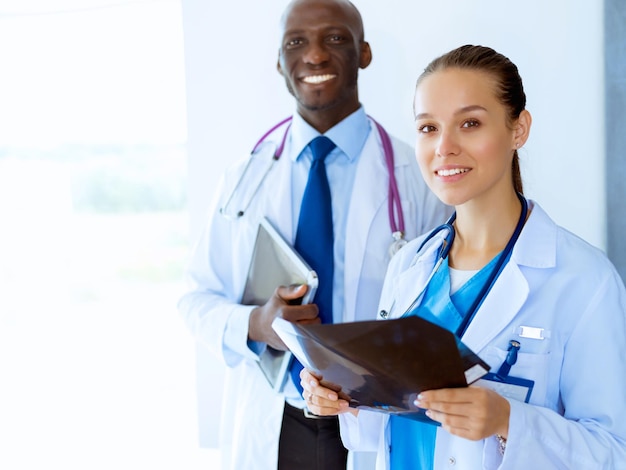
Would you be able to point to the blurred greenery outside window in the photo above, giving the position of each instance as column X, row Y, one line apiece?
column 94, row 238
column 92, row 145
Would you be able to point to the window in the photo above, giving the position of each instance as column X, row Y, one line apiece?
column 97, row 367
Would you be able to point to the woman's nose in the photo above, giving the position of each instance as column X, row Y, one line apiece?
column 448, row 144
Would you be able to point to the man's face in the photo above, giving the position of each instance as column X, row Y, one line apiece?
column 320, row 56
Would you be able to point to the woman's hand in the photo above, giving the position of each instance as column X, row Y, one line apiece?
column 472, row 412
column 323, row 400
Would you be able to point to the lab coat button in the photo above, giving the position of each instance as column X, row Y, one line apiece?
column 452, row 461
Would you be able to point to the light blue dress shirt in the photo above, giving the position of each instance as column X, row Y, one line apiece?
column 349, row 136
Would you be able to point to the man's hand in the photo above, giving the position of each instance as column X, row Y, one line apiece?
column 284, row 304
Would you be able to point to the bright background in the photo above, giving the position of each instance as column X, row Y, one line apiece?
column 97, row 370
column 116, row 119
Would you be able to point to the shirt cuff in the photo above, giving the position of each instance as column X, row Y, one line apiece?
column 235, row 338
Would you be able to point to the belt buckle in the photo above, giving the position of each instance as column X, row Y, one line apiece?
column 308, row 414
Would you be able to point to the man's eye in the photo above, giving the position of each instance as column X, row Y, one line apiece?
column 336, row 38
column 293, row 43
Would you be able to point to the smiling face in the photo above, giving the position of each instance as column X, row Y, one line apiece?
column 321, row 52
column 465, row 142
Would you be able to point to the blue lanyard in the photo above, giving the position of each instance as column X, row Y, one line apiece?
column 497, row 269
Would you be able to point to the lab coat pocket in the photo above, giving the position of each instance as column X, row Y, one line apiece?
column 529, row 366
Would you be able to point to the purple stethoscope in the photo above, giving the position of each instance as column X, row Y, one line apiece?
column 396, row 217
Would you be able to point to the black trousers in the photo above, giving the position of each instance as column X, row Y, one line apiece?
column 310, row 443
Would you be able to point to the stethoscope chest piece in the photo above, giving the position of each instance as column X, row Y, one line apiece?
column 397, row 244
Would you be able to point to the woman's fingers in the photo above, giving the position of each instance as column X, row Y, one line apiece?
column 319, row 399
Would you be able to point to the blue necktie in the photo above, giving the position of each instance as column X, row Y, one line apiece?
column 314, row 237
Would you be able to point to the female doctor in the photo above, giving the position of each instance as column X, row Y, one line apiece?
column 542, row 307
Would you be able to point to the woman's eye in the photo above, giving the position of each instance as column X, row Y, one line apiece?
column 425, row 128
column 471, row 123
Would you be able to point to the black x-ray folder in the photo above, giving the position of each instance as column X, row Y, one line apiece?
column 383, row 365
column 275, row 263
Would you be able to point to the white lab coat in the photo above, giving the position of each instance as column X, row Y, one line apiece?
column 251, row 411
column 576, row 418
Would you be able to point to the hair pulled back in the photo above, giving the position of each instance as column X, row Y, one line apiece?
column 509, row 89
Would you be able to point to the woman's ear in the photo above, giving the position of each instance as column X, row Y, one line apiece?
column 522, row 129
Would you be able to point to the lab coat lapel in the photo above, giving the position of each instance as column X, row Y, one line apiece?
column 536, row 248
column 505, row 299
column 280, row 203
column 367, row 197
column 412, row 282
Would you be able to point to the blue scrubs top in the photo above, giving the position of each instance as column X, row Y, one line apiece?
column 413, row 442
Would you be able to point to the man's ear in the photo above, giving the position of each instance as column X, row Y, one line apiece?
column 278, row 67
column 366, row 55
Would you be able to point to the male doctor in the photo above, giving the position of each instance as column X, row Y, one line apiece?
column 320, row 55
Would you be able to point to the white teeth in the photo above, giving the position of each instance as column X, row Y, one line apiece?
column 454, row 171
column 315, row 79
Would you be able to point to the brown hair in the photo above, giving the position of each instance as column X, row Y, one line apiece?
column 509, row 89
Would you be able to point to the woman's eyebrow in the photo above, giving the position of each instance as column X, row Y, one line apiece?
column 465, row 109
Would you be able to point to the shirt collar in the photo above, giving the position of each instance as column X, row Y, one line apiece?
column 349, row 135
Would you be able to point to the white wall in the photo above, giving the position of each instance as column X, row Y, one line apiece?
column 234, row 92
